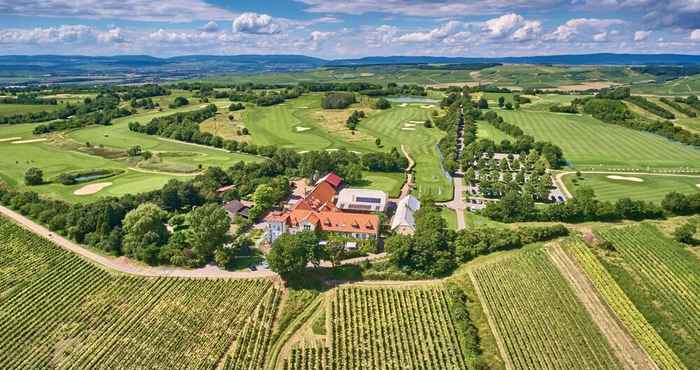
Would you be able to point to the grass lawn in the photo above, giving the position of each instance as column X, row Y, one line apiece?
column 59, row 154
column 301, row 124
column 486, row 130
column 12, row 109
column 653, row 188
column 590, row 144
column 390, row 182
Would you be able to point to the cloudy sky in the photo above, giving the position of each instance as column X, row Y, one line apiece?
column 348, row 28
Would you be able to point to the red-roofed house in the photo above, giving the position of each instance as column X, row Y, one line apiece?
column 318, row 212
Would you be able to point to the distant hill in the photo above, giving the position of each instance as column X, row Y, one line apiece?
column 572, row 59
column 77, row 69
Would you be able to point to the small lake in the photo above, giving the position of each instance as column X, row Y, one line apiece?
column 91, row 177
column 412, row 99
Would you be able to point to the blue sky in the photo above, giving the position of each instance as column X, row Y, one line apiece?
column 348, row 28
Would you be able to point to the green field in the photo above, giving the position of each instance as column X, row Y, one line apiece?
column 384, row 328
column 682, row 86
column 12, row 109
column 63, row 153
column 617, row 300
column 58, row 311
column 325, row 130
column 540, row 320
column 390, row 182
column 653, row 188
column 662, row 280
column 589, row 144
column 486, row 130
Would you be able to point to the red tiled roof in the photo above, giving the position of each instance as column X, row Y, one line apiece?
column 333, row 179
column 337, row 221
column 320, row 199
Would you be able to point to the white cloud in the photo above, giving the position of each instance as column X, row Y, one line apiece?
column 257, row 24
column 437, row 34
column 582, row 26
column 641, row 35
column 211, row 26
column 512, row 26
column 65, row 34
column 320, row 35
column 600, row 37
column 382, row 35
column 695, row 35
column 141, row 10
column 426, row 8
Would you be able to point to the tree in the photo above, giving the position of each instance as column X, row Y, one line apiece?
column 289, row 254
column 378, row 142
column 264, row 197
column 334, row 250
column 208, row 227
column 685, row 233
column 382, row 103
column 483, row 103
column 501, row 101
column 34, row 176
column 134, row 151
column 144, row 232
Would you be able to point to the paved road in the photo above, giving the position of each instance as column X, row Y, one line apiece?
column 457, row 203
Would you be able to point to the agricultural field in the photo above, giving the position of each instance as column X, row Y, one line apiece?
column 12, row 109
column 638, row 187
column 59, row 311
column 589, row 144
column 384, row 327
column 633, row 320
column 679, row 87
column 661, row 278
column 537, row 319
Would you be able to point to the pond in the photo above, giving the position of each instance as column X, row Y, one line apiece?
column 412, row 99
column 91, row 177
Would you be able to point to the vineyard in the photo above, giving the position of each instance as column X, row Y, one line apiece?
column 663, row 281
column 537, row 320
column 634, row 321
column 58, row 311
column 385, row 328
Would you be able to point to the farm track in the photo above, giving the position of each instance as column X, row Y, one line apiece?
column 127, row 266
column 627, row 350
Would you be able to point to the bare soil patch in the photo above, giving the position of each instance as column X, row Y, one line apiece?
column 90, row 189
column 334, row 121
column 445, row 85
column 625, row 348
column 587, row 86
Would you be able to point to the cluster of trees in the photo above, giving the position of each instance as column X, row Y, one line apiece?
column 354, row 119
column 179, row 101
column 692, row 100
column 382, row 104
column 394, row 89
column 30, row 99
column 614, row 111
column 524, row 143
column 98, row 111
column 434, row 250
column 146, row 103
column 385, row 162
column 337, row 100
column 264, row 98
column 651, row 107
column 235, row 107
column 143, row 91
column 584, row 207
column 681, row 108
column 557, row 108
column 620, row 93
column 686, row 232
column 181, row 126
column 33, row 176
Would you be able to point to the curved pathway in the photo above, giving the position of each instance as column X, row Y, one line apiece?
column 127, row 266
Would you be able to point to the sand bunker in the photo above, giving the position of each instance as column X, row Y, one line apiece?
column 302, row 107
column 404, row 105
column 416, row 122
column 302, row 129
column 408, row 129
column 10, row 139
column 92, row 188
column 698, row 185
column 303, row 151
column 29, row 141
column 624, row 178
